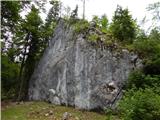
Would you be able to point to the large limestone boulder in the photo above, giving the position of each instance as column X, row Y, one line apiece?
column 73, row 72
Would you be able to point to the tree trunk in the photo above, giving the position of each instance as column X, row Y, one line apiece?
column 83, row 9
column 21, row 69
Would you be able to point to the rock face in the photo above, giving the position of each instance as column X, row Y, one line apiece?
column 73, row 72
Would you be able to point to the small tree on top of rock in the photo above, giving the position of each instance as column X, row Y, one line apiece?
column 123, row 27
column 74, row 13
column 104, row 23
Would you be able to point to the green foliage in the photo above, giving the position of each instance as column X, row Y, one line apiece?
column 101, row 23
column 33, row 20
column 104, row 24
column 32, row 25
column 138, row 80
column 140, row 105
column 123, row 27
column 29, row 41
column 146, row 47
column 10, row 15
column 80, row 26
column 142, row 100
column 29, row 34
column 109, row 42
column 111, row 113
column 96, row 20
column 129, row 47
column 152, row 66
column 109, row 39
column 9, row 77
column 135, row 79
column 54, row 11
column 93, row 37
column 10, row 12
column 155, row 35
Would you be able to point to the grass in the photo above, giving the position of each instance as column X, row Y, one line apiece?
column 42, row 110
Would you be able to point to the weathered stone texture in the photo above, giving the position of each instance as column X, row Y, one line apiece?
column 73, row 72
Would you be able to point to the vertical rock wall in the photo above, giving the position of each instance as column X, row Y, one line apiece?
column 73, row 72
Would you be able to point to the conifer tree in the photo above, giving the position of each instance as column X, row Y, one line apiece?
column 31, row 41
column 123, row 26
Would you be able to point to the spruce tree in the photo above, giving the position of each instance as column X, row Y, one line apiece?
column 123, row 27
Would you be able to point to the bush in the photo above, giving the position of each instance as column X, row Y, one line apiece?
column 146, row 48
column 152, row 67
column 135, row 79
column 138, row 80
column 81, row 26
column 9, row 72
column 140, row 105
column 93, row 37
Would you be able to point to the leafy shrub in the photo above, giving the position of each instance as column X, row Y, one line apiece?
column 135, row 79
column 152, row 67
column 81, row 26
column 108, row 42
column 93, row 37
column 129, row 47
column 101, row 23
column 97, row 21
column 140, row 105
column 146, row 48
column 104, row 23
column 139, row 80
column 9, row 72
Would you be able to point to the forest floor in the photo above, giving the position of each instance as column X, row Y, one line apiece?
column 46, row 111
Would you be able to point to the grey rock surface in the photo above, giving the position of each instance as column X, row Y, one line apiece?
column 73, row 72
